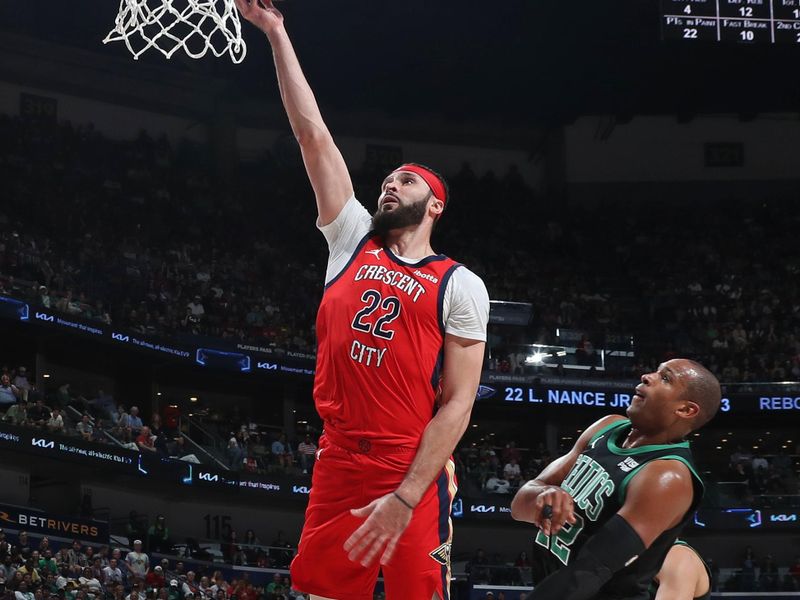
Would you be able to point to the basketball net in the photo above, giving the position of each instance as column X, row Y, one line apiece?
column 194, row 26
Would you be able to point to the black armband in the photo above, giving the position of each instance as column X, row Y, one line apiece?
column 611, row 549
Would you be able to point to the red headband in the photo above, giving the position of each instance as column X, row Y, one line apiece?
column 432, row 179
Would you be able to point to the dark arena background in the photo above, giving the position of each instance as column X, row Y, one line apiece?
column 625, row 178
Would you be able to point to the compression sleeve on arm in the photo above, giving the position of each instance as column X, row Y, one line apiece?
column 612, row 548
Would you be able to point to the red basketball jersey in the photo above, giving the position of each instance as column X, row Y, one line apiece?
column 380, row 335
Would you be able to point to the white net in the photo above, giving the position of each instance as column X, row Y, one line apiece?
column 194, row 26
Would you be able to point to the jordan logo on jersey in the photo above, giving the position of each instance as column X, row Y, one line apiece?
column 628, row 465
column 376, row 253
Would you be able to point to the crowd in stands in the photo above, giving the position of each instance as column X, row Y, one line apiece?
column 40, row 569
column 98, row 419
column 759, row 474
column 143, row 235
column 484, row 464
column 486, row 468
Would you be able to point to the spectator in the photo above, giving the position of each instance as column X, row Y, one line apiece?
column 30, row 569
column 158, row 536
column 146, row 441
column 104, row 407
column 23, row 544
column 307, row 452
column 496, row 485
column 282, row 452
column 275, row 586
column 9, row 393
column 47, row 564
column 196, row 307
column 55, row 424
column 21, row 382
column 112, row 574
column 155, row 578
column 511, row 451
column 236, row 454
column 17, row 414
column 512, row 472
column 134, row 529
column 38, row 414
column 478, row 568
column 281, row 551
column 759, row 464
column 87, row 579
column 134, row 421
column 137, row 562
column 190, row 585
column 85, row 428
column 23, row 593
column 174, row 592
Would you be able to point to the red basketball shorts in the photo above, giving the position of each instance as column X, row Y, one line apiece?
column 345, row 479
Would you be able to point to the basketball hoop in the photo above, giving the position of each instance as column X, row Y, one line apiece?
column 196, row 26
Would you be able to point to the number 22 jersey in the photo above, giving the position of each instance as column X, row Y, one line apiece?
column 380, row 333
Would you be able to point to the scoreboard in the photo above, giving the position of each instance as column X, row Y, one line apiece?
column 742, row 21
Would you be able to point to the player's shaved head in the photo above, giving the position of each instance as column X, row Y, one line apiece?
column 702, row 388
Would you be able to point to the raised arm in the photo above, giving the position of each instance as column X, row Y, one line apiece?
column 324, row 163
column 532, row 497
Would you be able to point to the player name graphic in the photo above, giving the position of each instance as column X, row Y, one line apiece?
column 405, row 283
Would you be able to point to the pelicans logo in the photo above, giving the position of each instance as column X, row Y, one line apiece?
column 442, row 554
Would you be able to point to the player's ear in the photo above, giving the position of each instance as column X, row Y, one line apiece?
column 436, row 207
column 689, row 409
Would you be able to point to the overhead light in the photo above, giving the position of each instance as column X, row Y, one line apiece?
column 536, row 358
column 719, row 447
column 193, row 399
column 158, row 393
column 755, row 447
column 724, row 440
column 46, row 375
column 173, row 406
column 474, row 425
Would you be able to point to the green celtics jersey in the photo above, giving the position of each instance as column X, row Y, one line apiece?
column 598, row 483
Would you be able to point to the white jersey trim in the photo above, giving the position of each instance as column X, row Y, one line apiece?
column 465, row 309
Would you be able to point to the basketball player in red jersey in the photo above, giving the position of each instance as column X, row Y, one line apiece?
column 398, row 327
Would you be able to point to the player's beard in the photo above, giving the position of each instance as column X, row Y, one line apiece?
column 403, row 216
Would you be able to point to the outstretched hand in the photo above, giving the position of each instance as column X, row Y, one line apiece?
column 386, row 520
column 261, row 13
